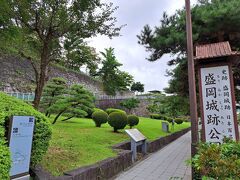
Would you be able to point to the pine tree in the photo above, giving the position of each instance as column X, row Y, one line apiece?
column 76, row 103
column 53, row 91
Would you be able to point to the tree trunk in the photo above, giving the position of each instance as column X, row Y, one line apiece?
column 56, row 118
column 67, row 118
column 40, row 86
column 40, row 82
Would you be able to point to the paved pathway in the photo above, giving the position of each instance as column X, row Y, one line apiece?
column 167, row 163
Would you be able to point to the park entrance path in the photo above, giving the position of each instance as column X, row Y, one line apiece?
column 167, row 163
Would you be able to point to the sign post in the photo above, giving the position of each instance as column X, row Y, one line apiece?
column 218, row 103
column 20, row 144
column 216, row 88
column 137, row 138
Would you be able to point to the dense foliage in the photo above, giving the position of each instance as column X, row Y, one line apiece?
column 130, row 104
column 42, row 133
column 172, row 106
column 40, row 31
column 132, row 120
column 110, row 110
column 114, row 80
column 77, row 102
column 178, row 120
column 53, row 91
column 137, row 87
column 213, row 21
column 218, row 161
column 117, row 120
column 99, row 117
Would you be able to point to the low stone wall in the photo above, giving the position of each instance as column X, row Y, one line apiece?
column 102, row 170
column 155, row 145
column 110, row 167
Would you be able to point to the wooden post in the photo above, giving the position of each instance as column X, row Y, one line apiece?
column 192, row 82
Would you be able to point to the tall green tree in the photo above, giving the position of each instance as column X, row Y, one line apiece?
column 79, row 54
column 76, row 103
column 113, row 79
column 36, row 30
column 53, row 91
column 130, row 104
column 137, row 87
column 213, row 21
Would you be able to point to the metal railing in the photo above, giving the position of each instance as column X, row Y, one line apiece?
column 22, row 96
column 30, row 96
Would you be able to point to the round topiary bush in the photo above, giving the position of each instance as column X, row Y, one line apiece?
column 11, row 106
column 111, row 110
column 178, row 121
column 99, row 117
column 132, row 120
column 117, row 120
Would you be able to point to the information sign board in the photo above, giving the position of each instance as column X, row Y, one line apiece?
column 20, row 144
column 135, row 135
column 219, row 118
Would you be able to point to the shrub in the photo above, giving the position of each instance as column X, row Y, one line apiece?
column 117, row 120
column 132, row 120
column 99, row 117
column 158, row 116
column 97, row 109
column 111, row 110
column 169, row 119
column 42, row 132
column 155, row 116
column 178, row 120
column 218, row 161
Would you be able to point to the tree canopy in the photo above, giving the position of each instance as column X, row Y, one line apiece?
column 37, row 30
column 137, row 86
column 114, row 80
column 213, row 21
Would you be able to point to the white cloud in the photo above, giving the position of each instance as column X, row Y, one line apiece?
column 136, row 14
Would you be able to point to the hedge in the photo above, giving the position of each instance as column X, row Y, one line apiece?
column 10, row 106
column 111, row 110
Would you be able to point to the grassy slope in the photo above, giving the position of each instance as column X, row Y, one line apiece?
column 77, row 142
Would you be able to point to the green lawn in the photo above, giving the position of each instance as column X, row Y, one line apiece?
column 78, row 142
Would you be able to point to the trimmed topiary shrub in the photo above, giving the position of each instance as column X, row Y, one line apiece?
column 155, row 116
column 97, row 109
column 99, row 117
column 42, row 132
column 178, row 121
column 111, row 110
column 117, row 120
column 132, row 120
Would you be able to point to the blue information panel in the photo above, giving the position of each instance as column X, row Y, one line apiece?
column 21, row 144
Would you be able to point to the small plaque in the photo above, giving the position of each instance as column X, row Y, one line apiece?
column 135, row 135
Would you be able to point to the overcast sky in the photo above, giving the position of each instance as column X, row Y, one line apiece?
column 136, row 14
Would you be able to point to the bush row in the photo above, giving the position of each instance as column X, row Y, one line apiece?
column 116, row 118
column 169, row 119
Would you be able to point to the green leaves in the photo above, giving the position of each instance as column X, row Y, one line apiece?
column 218, row 161
column 113, row 79
column 42, row 132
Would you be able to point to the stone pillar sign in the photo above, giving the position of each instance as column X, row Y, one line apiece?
column 20, row 144
column 216, row 89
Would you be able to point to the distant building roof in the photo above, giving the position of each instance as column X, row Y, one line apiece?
column 214, row 50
